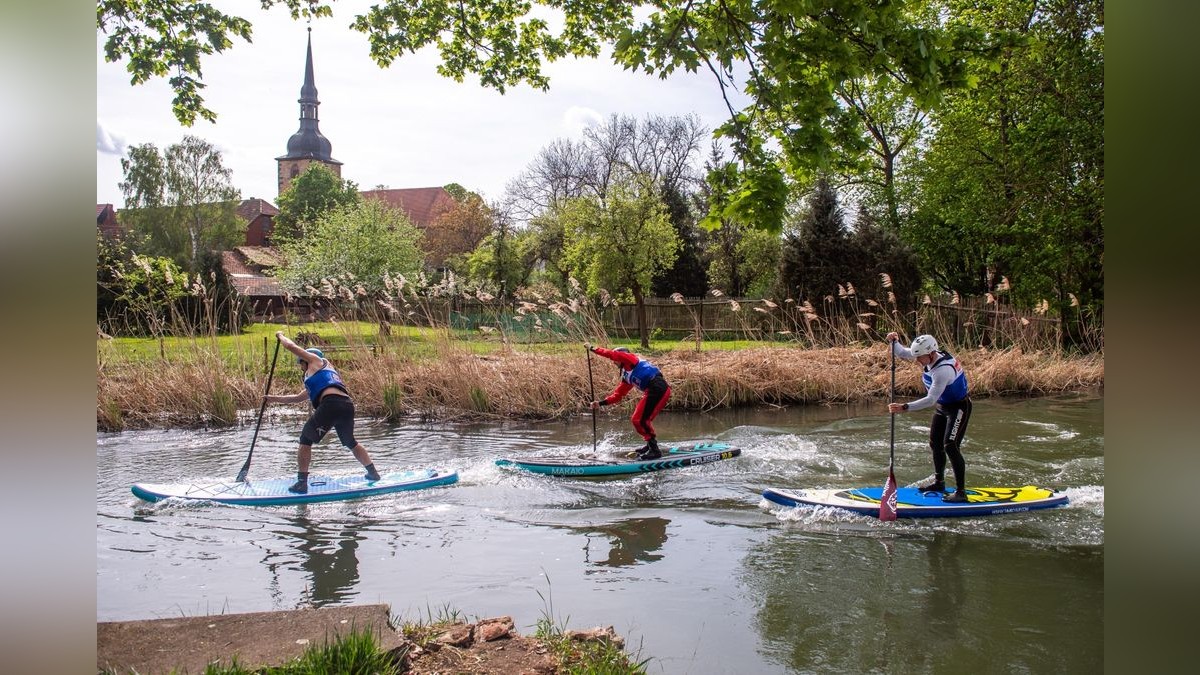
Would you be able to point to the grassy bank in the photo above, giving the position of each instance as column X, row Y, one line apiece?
column 425, row 373
column 360, row 652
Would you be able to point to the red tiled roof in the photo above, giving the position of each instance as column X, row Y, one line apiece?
column 233, row 263
column 253, row 207
column 106, row 221
column 244, row 267
column 256, row 286
column 423, row 205
column 262, row 256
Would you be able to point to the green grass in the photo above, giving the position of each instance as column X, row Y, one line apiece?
column 418, row 343
column 423, row 631
column 581, row 658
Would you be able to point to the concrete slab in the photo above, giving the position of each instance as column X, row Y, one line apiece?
column 186, row 645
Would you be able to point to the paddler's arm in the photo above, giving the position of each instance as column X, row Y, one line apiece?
column 300, row 352
column 286, row 398
column 942, row 377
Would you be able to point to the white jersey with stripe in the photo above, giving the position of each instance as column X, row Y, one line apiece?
column 940, row 378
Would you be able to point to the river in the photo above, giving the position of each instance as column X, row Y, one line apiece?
column 692, row 566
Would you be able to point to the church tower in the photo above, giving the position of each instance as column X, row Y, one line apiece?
column 306, row 145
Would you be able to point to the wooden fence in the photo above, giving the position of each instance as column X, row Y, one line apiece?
column 838, row 322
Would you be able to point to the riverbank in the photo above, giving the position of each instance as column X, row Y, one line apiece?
column 208, row 389
column 275, row 639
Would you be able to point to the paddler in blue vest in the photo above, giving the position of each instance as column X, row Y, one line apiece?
column 946, row 383
column 637, row 372
column 332, row 409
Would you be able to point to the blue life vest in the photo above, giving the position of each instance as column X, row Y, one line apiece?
column 957, row 389
column 321, row 380
column 641, row 374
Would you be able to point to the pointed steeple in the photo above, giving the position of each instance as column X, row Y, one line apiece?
column 308, row 143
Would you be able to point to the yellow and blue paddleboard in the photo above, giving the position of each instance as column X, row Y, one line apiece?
column 912, row 503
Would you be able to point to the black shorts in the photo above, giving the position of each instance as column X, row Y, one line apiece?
column 333, row 412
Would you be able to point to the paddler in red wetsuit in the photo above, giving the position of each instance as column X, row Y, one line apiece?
column 640, row 373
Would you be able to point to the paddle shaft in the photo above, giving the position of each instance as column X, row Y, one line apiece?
column 887, row 500
column 892, row 399
column 592, row 388
column 261, row 408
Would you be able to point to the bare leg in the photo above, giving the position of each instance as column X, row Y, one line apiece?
column 303, row 458
column 360, row 453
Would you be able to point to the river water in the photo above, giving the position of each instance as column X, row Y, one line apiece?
column 692, row 566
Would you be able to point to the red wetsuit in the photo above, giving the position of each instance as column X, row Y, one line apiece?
column 645, row 376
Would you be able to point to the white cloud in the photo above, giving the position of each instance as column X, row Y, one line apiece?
column 577, row 118
column 107, row 142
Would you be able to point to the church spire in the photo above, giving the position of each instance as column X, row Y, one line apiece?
column 307, row 145
column 308, row 92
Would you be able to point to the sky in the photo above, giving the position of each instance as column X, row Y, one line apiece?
column 400, row 127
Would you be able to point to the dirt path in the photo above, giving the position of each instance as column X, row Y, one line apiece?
column 189, row 644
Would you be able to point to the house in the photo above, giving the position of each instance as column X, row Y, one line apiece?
column 106, row 221
column 247, row 267
column 259, row 215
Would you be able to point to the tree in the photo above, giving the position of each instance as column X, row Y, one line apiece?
column 459, row 230
column 892, row 128
column 180, row 202
column 1012, row 182
column 500, row 259
column 544, row 248
column 620, row 244
column 312, row 194
column 816, row 254
column 794, row 58
column 878, row 249
column 621, row 148
column 148, row 288
column 741, row 260
column 363, row 242
column 687, row 275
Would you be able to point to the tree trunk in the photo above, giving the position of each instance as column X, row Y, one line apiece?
column 643, row 330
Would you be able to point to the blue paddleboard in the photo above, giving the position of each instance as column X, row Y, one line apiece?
column 274, row 491
column 912, row 503
column 586, row 465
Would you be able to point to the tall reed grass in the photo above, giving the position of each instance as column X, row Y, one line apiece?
column 406, row 359
column 461, row 384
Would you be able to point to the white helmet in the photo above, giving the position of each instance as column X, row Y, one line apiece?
column 923, row 344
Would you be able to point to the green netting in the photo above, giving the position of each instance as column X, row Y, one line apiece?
column 513, row 324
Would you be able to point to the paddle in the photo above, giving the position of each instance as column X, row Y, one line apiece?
column 241, row 477
column 592, row 387
column 887, row 503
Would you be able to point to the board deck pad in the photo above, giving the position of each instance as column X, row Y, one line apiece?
column 588, row 464
column 274, row 491
column 912, row 503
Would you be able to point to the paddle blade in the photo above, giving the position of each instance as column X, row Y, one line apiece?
column 887, row 504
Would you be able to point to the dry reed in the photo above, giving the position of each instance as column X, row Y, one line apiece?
column 459, row 384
